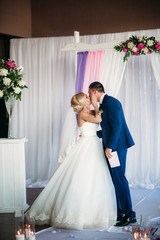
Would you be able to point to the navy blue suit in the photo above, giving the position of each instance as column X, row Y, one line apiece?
column 116, row 136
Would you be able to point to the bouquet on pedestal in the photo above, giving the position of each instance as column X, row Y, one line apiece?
column 11, row 83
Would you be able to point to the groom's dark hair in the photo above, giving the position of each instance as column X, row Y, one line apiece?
column 96, row 86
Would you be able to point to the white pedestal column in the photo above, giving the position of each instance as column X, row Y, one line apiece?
column 12, row 175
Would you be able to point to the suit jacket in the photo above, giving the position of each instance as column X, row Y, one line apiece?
column 115, row 133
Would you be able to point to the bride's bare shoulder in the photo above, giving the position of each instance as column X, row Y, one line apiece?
column 83, row 112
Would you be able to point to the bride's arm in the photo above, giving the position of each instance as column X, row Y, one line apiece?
column 89, row 117
column 84, row 116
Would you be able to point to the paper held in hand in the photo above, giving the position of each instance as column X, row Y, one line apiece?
column 114, row 161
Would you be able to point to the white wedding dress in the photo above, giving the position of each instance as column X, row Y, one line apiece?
column 80, row 194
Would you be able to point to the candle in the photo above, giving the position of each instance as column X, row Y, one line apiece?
column 31, row 237
column 76, row 37
column 136, row 235
column 27, row 231
column 145, row 237
column 19, row 236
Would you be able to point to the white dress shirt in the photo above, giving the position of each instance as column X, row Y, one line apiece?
column 101, row 98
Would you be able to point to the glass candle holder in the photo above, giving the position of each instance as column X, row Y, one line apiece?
column 30, row 229
column 19, row 225
column 136, row 232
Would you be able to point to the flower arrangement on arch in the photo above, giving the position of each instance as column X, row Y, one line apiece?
column 11, row 83
column 138, row 46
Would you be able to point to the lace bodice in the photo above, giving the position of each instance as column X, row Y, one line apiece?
column 88, row 129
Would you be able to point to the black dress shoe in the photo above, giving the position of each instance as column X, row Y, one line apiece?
column 125, row 221
column 119, row 218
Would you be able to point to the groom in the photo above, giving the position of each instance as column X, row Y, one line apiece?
column 115, row 137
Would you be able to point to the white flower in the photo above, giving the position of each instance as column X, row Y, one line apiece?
column 1, row 93
column 150, row 42
column 21, row 83
column 140, row 38
column 6, row 81
column 3, row 72
column 130, row 45
column 134, row 49
column 145, row 50
column 20, row 68
column 17, row 90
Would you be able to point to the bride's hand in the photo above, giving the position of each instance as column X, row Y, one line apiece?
column 93, row 100
column 95, row 104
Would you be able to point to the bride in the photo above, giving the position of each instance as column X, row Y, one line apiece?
column 80, row 194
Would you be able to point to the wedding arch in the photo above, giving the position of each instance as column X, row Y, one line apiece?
column 50, row 76
column 91, row 56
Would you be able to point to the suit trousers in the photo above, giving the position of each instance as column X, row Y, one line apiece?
column 123, row 197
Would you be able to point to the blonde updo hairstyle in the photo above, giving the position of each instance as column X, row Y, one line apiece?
column 78, row 101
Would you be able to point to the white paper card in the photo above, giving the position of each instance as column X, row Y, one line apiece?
column 114, row 161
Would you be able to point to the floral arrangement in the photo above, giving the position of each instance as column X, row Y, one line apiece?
column 11, row 83
column 100, row 111
column 138, row 46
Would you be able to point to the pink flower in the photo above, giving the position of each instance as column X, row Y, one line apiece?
column 140, row 46
column 124, row 49
column 11, row 64
column 136, row 53
column 149, row 52
column 157, row 46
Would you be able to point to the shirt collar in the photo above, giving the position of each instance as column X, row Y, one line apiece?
column 101, row 98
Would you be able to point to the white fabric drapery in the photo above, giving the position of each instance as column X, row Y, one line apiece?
column 140, row 97
column 51, row 81
column 155, row 61
column 113, row 71
column 49, row 75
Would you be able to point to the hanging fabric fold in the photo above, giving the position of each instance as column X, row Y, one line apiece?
column 81, row 65
column 88, row 69
column 155, row 62
column 112, row 72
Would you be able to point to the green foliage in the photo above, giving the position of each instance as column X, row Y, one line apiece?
column 138, row 46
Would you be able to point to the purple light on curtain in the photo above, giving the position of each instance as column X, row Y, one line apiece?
column 81, row 63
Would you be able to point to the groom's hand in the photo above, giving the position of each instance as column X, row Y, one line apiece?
column 108, row 153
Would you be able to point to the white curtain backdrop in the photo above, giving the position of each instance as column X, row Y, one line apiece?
column 113, row 71
column 50, row 77
column 155, row 61
column 140, row 96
